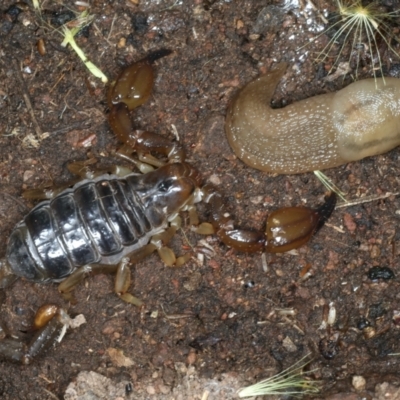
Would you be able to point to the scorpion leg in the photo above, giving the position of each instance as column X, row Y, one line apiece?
column 123, row 273
column 160, row 241
column 51, row 322
column 123, row 276
column 46, row 193
column 81, row 169
column 122, row 279
column 7, row 277
column 85, row 172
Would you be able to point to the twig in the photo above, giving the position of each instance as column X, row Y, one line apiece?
column 50, row 394
column 367, row 199
column 16, row 200
column 112, row 26
column 77, row 125
column 27, row 99
column 176, row 316
column 205, row 395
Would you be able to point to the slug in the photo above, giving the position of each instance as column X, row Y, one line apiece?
column 320, row 132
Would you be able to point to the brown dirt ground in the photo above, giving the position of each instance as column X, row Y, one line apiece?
column 220, row 316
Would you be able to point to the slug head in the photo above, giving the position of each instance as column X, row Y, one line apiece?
column 366, row 117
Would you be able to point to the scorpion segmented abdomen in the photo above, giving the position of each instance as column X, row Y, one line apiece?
column 94, row 222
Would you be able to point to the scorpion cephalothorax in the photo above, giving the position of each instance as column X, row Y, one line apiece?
column 104, row 223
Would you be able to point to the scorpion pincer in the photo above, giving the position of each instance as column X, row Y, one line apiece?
column 106, row 222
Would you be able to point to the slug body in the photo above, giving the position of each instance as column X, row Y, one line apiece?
column 320, row 132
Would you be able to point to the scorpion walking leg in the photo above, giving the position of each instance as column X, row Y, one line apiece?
column 160, row 241
column 122, row 279
column 123, row 276
column 123, row 273
column 81, row 169
column 45, row 193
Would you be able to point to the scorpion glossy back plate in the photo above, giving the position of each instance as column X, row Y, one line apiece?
column 96, row 221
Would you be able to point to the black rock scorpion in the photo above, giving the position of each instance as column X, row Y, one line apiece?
column 105, row 223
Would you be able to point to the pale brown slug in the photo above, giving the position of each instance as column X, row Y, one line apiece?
column 320, row 132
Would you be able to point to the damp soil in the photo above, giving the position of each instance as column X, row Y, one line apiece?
column 223, row 320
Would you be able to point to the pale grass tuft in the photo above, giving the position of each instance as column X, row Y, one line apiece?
column 363, row 25
column 292, row 381
column 36, row 5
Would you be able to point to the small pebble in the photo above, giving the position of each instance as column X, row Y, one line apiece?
column 150, row 390
column 349, row 222
column 384, row 273
column 288, row 344
column 191, row 358
column 362, row 324
column 375, row 251
column 358, row 383
column 164, row 389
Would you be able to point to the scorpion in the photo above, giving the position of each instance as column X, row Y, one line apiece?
column 106, row 222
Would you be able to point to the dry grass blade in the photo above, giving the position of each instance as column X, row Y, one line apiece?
column 68, row 32
column 329, row 184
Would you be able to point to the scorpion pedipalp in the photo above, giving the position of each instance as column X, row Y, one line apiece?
column 286, row 228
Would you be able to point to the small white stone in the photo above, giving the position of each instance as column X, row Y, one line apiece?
column 358, row 382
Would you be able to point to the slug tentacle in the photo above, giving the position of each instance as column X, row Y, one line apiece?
column 320, row 132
